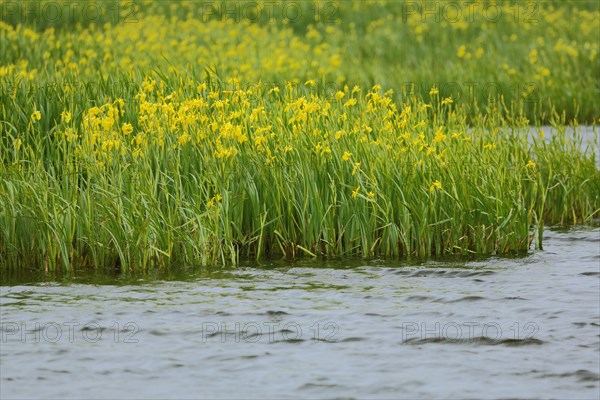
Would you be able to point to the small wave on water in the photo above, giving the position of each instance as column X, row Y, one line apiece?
column 481, row 340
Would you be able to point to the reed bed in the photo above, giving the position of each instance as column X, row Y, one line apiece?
column 179, row 141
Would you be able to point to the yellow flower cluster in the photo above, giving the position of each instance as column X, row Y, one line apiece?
column 242, row 48
column 234, row 126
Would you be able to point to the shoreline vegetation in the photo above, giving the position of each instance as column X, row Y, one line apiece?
column 168, row 138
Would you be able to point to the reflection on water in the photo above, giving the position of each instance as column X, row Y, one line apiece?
column 524, row 327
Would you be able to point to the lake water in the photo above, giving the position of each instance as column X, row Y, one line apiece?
column 525, row 327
